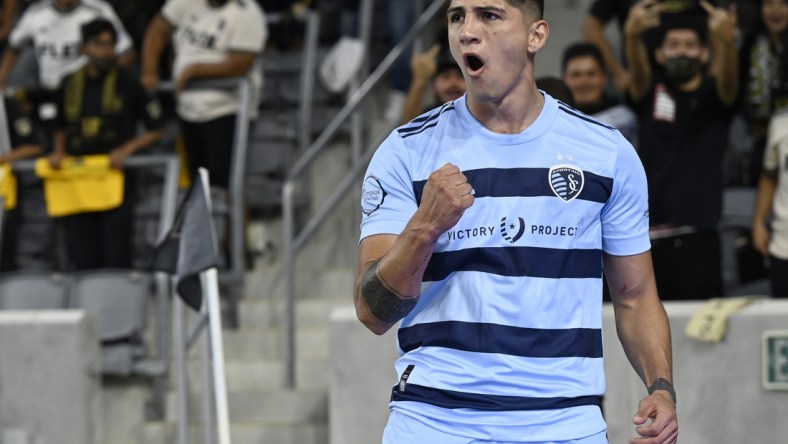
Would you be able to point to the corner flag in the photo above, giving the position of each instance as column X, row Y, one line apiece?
column 191, row 246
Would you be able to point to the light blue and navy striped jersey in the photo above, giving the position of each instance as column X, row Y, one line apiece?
column 505, row 343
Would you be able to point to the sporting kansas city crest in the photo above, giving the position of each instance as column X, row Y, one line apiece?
column 566, row 181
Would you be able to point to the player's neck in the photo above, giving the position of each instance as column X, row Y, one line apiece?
column 510, row 115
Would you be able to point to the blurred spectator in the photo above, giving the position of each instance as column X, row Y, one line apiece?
column 602, row 12
column 760, row 73
column 100, row 108
column 53, row 27
column 684, row 115
column 437, row 70
column 212, row 39
column 26, row 141
column 772, row 239
column 584, row 73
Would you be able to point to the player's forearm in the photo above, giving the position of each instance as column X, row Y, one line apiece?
column 644, row 332
column 388, row 288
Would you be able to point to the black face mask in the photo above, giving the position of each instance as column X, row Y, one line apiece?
column 680, row 70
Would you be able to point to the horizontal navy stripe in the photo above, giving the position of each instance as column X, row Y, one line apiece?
column 494, row 403
column 525, row 182
column 517, row 262
column 504, row 339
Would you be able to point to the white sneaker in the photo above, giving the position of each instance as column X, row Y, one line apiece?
column 341, row 64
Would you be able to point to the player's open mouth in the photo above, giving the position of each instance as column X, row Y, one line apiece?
column 474, row 63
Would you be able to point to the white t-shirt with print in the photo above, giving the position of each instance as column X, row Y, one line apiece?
column 776, row 160
column 57, row 35
column 206, row 34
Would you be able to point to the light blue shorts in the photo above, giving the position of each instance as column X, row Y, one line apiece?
column 402, row 429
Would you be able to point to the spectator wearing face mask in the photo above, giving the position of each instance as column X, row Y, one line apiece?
column 100, row 109
column 684, row 113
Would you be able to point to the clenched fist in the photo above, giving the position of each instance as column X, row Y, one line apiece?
column 447, row 195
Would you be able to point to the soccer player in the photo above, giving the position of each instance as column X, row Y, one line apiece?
column 486, row 224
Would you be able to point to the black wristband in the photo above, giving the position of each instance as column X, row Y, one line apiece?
column 663, row 384
column 384, row 304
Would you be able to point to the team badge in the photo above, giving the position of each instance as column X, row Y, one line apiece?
column 566, row 181
column 511, row 231
column 372, row 195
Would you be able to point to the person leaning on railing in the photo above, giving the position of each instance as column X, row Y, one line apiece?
column 100, row 107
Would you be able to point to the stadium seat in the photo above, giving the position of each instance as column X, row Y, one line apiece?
column 33, row 290
column 119, row 299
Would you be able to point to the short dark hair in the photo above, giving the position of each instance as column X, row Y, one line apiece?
column 525, row 3
column 582, row 49
column 95, row 28
column 692, row 22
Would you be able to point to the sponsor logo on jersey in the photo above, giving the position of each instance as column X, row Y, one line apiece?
column 566, row 181
column 470, row 233
column 372, row 195
column 511, row 231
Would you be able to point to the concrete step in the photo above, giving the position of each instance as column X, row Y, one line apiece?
column 255, row 313
column 268, row 343
column 324, row 283
column 240, row 433
column 263, row 374
column 270, row 407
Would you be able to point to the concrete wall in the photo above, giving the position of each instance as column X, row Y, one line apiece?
column 721, row 399
column 50, row 388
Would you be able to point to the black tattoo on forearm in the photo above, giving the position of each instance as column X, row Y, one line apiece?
column 384, row 303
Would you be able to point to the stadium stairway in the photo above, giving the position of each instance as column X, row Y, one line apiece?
column 261, row 409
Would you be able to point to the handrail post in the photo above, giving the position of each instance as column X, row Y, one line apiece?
column 291, row 243
column 288, row 220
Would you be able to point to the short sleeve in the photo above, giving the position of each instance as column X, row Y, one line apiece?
column 22, row 32
column 174, row 11
column 625, row 219
column 250, row 31
column 387, row 197
column 778, row 133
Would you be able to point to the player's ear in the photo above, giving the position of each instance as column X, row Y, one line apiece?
column 537, row 36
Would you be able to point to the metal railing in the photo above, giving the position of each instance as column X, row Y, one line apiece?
column 293, row 242
column 233, row 276
column 156, row 366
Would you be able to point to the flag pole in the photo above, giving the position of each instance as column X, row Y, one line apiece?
column 210, row 282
